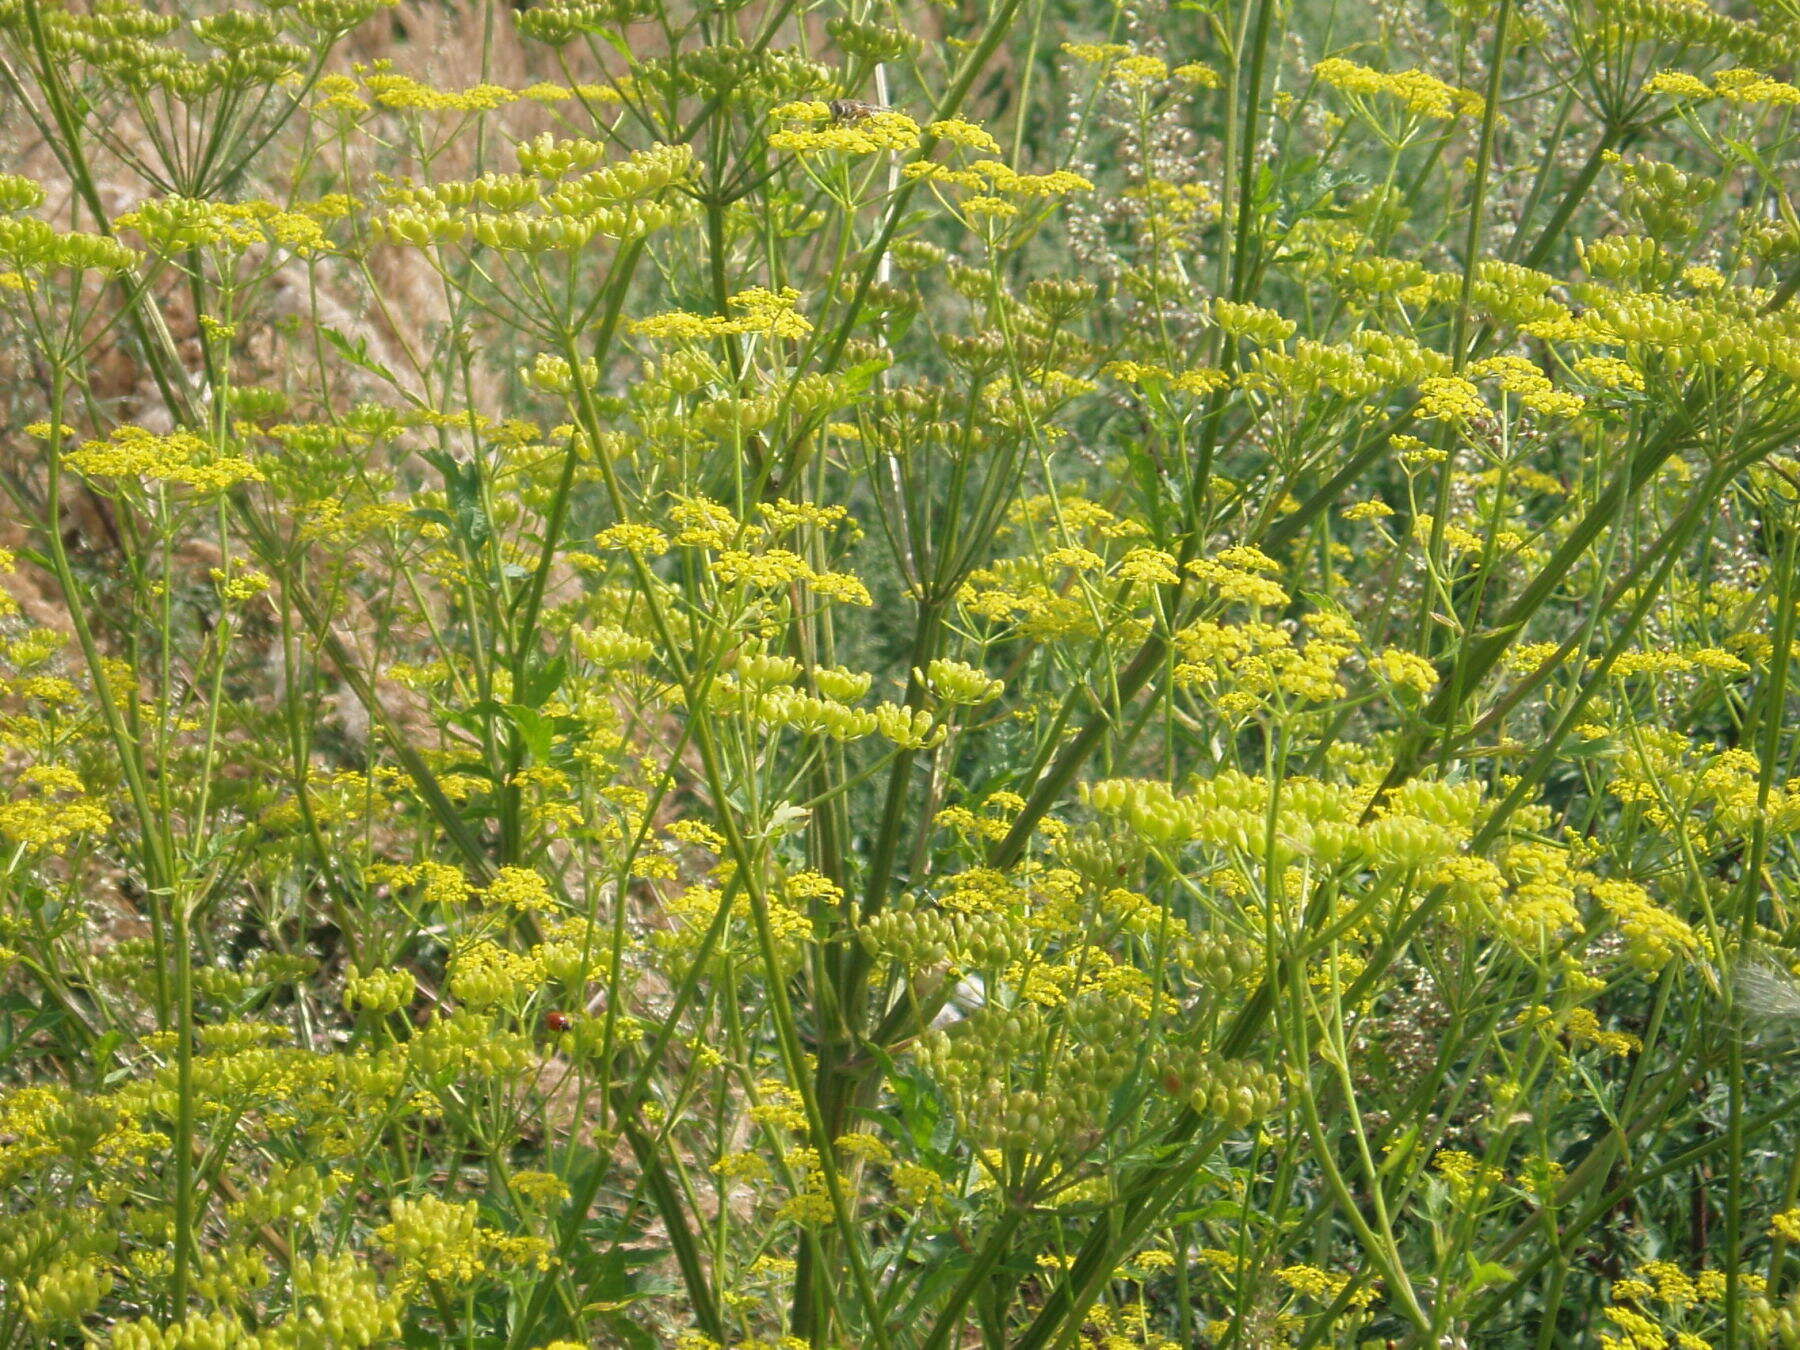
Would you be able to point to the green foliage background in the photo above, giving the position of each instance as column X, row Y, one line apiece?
column 898, row 675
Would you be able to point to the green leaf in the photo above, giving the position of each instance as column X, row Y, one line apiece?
column 535, row 730
column 357, row 354
column 543, row 680
column 1486, row 1274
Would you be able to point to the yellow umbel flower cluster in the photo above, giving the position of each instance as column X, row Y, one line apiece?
column 1419, row 93
column 175, row 457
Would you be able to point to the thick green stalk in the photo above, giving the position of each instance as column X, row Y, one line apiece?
column 1773, row 722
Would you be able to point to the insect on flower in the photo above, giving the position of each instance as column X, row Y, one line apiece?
column 853, row 110
column 558, row 1021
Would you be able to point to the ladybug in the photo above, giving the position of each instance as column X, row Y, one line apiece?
column 558, row 1021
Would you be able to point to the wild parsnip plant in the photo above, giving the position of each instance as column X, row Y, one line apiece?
column 1009, row 673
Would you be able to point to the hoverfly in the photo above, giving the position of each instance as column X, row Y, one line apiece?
column 853, row 110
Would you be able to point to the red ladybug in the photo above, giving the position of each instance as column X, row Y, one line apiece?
column 558, row 1021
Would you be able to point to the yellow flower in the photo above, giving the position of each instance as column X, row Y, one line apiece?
column 639, row 539
column 884, row 131
column 1421, row 94
column 1149, row 566
column 178, row 457
column 1408, row 670
column 1450, row 398
column 966, row 134
column 1198, row 74
column 1139, row 70
column 1095, row 54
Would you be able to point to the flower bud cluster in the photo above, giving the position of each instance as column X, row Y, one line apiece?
column 19, row 194
column 1666, row 201
column 201, row 1331
column 126, row 43
column 625, row 200
column 547, row 156
column 175, row 224
column 741, row 72
column 435, row 1239
column 338, row 16
column 1260, row 325
column 975, row 1070
column 484, row 974
column 30, row 245
column 467, row 1043
column 1621, row 28
column 909, row 728
column 560, row 22
column 1314, row 819
column 379, row 991
column 1237, row 1092
column 920, row 940
column 611, row 647
column 1059, row 299
column 65, row 1293
column 792, row 709
column 872, row 41
column 958, row 683
column 641, row 176
column 1776, row 1324
column 34, row 1244
column 1020, row 1077
column 230, row 1272
column 1218, row 962
column 493, row 191
column 342, row 1307
column 1310, row 369
column 520, row 233
column 296, row 1194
